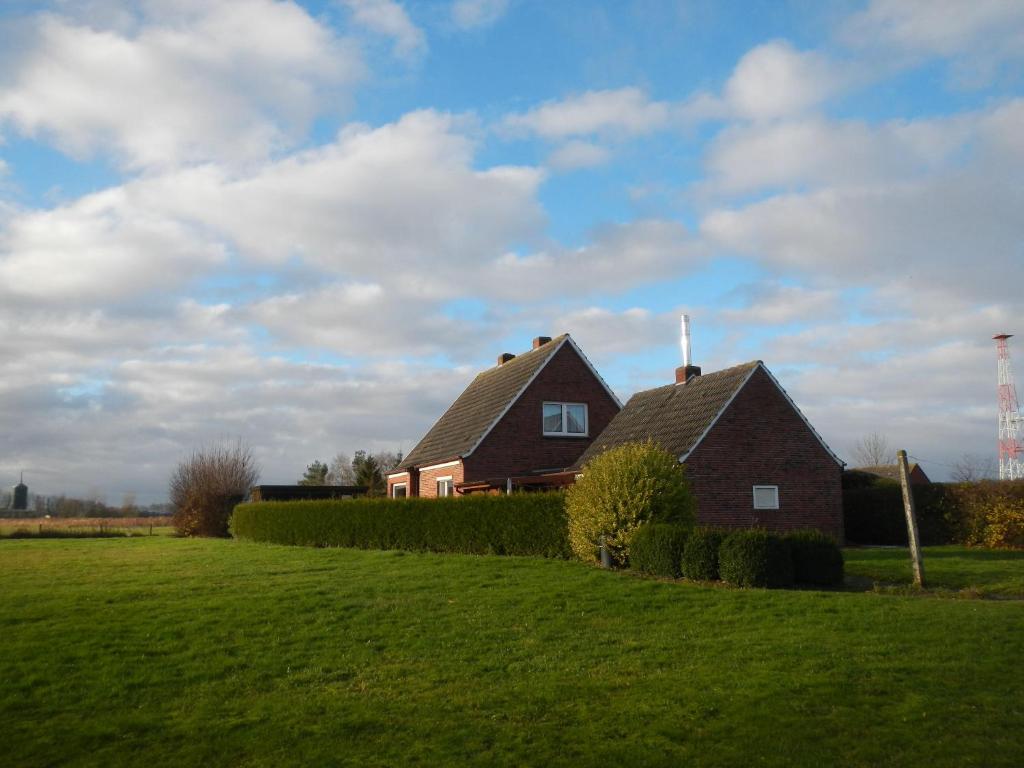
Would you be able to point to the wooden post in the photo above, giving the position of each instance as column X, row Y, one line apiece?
column 908, row 508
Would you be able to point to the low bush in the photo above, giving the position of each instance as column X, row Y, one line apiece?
column 700, row 554
column 621, row 489
column 516, row 524
column 754, row 558
column 817, row 558
column 657, row 549
column 988, row 513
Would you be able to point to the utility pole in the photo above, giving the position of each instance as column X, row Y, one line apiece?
column 908, row 509
column 1011, row 452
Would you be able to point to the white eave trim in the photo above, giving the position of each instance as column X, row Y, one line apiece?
column 398, row 474
column 761, row 366
column 550, row 357
column 442, row 465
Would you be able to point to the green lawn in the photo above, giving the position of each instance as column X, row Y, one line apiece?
column 159, row 651
column 973, row 572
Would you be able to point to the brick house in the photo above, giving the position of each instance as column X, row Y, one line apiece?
column 516, row 425
column 751, row 457
column 891, row 472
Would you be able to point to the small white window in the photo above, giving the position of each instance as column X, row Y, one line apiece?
column 399, row 490
column 766, row 497
column 444, row 486
column 565, row 419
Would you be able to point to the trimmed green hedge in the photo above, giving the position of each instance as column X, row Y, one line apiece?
column 817, row 558
column 874, row 514
column 700, row 554
column 755, row 559
column 515, row 524
column 657, row 549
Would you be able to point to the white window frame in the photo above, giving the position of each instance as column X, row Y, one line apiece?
column 774, row 489
column 451, row 486
column 565, row 421
column 396, row 486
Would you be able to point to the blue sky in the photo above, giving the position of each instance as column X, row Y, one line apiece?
column 309, row 224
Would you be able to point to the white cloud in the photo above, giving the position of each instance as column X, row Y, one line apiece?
column 775, row 80
column 105, row 246
column 937, row 27
column 130, row 425
column 473, row 14
column 819, row 151
column 388, row 18
column 402, row 199
column 616, row 258
column 626, row 112
column 234, row 81
column 365, row 320
column 574, row 155
column 772, row 303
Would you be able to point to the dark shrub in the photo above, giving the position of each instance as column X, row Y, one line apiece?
column 873, row 514
column 517, row 524
column 817, row 558
column 755, row 559
column 657, row 549
column 700, row 554
column 207, row 485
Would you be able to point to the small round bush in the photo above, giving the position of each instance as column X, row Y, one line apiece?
column 817, row 558
column 657, row 549
column 700, row 554
column 755, row 558
column 620, row 490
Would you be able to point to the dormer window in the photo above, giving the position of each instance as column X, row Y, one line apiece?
column 565, row 420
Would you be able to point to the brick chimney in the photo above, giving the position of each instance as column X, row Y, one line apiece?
column 504, row 357
column 540, row 341
column 686, row 372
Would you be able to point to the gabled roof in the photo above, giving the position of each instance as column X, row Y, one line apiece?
column 484, row 402
column 891, row 471
column 678, row 416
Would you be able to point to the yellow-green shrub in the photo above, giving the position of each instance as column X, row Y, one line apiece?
column 620, row 490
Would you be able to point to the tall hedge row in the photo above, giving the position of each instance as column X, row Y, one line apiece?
column 988, row 513
column 515, row 524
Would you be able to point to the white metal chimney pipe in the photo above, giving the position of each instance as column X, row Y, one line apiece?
column 684, row 339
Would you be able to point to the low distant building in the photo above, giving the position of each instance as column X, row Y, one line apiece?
column 892, row 472
column 305, row 492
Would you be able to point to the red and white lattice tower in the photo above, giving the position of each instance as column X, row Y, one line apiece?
column 1011, row 450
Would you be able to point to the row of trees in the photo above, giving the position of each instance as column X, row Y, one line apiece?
column 363, row 468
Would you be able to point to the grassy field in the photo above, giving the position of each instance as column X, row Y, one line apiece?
column 966, row 572
column 56, row 527
column 159, row 651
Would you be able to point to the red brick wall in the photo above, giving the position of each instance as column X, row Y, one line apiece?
column 517, row 445
column 428, row 478
column 760, row 440
column 410, row 484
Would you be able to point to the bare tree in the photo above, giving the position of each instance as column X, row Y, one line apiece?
column 341, row 472
column 873, row 450
column 971, row 468
column 205, row 488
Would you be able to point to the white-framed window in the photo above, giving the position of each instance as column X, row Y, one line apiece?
column 766, row 497
column 565, row 419
column 399, row 490
column 445, row 486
